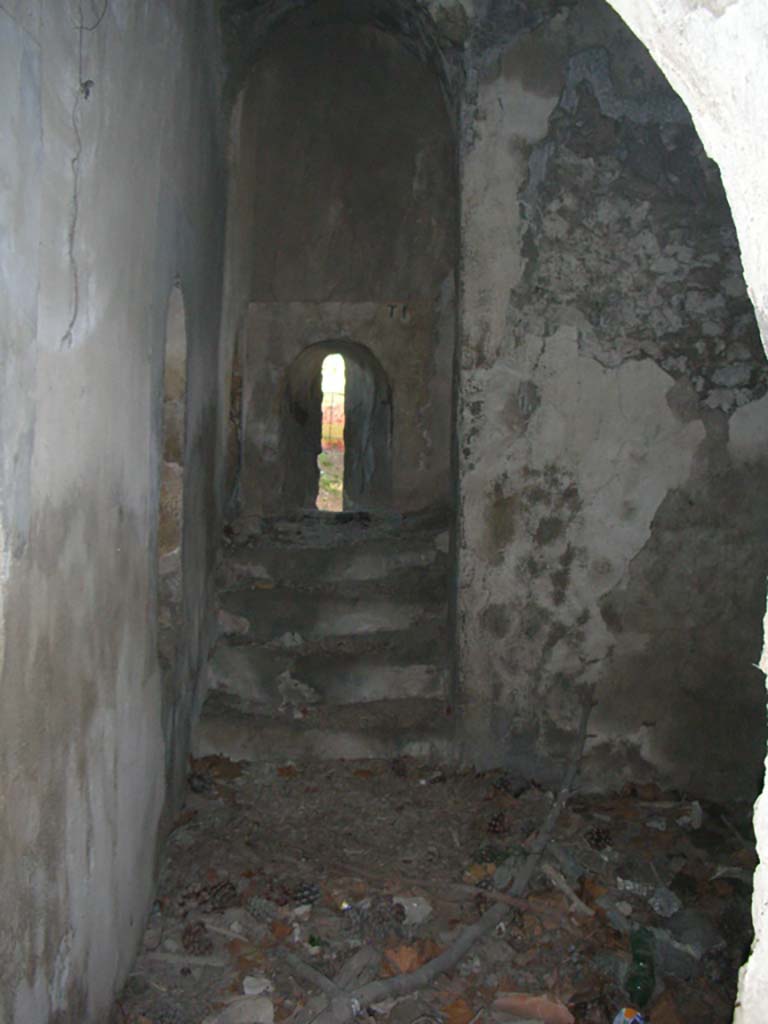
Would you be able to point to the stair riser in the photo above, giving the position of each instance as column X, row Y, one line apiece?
column 262, row 746
column 352, row 733
column 274, row 681
column 323, row 566
column 274, row 615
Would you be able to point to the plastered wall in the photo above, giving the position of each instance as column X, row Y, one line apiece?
column 612, row 524
column 108, row 193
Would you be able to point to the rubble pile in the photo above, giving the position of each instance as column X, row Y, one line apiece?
column 282, row 884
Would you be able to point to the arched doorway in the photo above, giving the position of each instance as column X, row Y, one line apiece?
column 367, row 467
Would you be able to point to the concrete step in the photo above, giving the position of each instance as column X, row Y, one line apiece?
column 333, row 529
column 391, row 728
column 290, row 616
column 276, row 677
column 363, row 560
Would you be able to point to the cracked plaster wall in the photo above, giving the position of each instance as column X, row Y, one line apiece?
column 92, row 740
column 612, row 524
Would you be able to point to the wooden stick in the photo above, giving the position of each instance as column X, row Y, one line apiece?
column 314, row 977
column 185, row 961
column 518, row 904
column 560, row 883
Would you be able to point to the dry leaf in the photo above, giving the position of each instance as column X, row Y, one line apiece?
column 282, row 1012
column 664, row 1010
column 458, row 1012
column 219, row 767
column 648, row 792
column 430, row 949
column 591, row 891
column 280, row 929
column 403, row 958
column 745, row 858
column 477, row 872
column 364, row 773
column 235, row 947
column 184, row 818
column 287, row 771
column 540, row 1008
column 451, row 992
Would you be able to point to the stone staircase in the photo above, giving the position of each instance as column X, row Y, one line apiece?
column 334, row 640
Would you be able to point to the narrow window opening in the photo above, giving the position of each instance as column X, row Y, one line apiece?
column 330, row 461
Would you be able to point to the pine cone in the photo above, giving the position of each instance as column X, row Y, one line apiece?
column 489, row 854
column 275, row 891
column 498, row 825
column 200, row 782
column 223, row 895
column 482, row 903
column 305, row 892
column 509, row 785
column 382, row 918
column 196, row 940
column 168, row 1013
column 598, row 838
column 195, row 895
column 261, row 909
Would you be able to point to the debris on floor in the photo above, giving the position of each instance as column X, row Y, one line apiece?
column 282, row 884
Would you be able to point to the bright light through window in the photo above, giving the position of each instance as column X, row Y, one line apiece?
column 330, row 496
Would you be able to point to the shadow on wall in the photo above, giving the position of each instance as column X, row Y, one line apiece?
column 171, row 512
column 367, row 430
column 234, row 451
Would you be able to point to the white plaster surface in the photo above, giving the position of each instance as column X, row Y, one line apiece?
column 84, row 747
column 715, row 55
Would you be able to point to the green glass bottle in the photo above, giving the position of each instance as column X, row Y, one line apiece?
column 641, row 978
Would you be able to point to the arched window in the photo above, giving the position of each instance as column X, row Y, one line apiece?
column 330, row 461
column 359, row 474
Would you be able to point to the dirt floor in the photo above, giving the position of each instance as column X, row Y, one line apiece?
column 385, row 863
column 330, row 462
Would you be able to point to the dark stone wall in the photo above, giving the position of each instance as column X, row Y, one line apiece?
column 354, row 182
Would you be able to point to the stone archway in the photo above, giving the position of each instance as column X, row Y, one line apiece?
column 367, row 432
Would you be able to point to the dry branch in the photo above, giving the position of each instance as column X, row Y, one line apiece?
column 314, row 977
column 559, row 882
column 518, row 903
column 185, row 961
